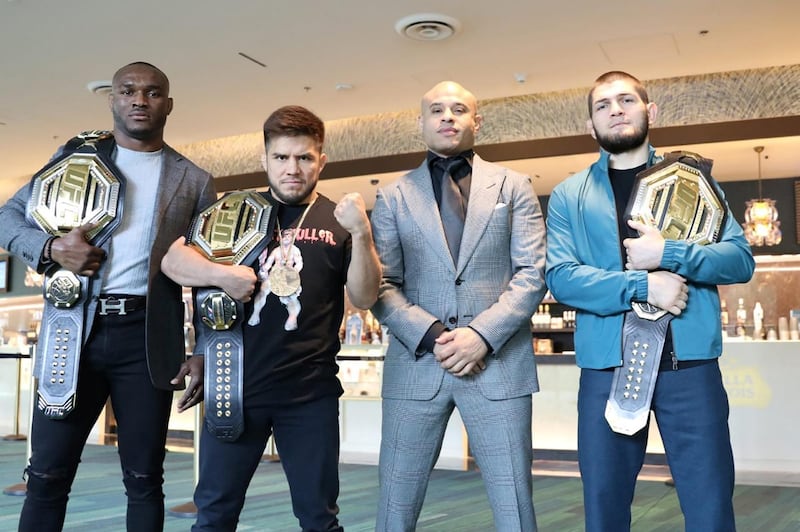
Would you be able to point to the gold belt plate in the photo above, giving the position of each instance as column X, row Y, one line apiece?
column 78, row 190
column 231, row 228
column 680, row 201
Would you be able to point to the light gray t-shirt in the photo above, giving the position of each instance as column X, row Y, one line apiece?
column 129, row 252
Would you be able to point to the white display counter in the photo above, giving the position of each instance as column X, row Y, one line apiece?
column 762, row 379
column 15, row 380
column 360, row 412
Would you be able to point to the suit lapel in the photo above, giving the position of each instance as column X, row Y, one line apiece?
column 172, row 175
column 417, row 190
column 487, row 182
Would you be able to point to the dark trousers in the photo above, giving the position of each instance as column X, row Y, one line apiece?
column 691, row 409
column 113, row 364
column 307, row 438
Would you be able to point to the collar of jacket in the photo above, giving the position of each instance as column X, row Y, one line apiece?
column 652, row 158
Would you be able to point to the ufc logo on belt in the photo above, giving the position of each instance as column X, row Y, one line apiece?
column 112, row 306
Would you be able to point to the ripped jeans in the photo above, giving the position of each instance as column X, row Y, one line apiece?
column 113, row 364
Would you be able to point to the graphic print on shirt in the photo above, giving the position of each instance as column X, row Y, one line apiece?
column 284, row 255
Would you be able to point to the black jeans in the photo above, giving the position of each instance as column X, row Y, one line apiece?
column 307, row 438
column 113, row 363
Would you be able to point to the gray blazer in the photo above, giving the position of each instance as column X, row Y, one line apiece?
column 495, row 287
column 184, row 190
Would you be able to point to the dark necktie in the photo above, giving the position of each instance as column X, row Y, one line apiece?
column 452, row 205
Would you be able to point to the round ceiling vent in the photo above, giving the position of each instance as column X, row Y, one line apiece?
column 427, row 27
column 99, row 87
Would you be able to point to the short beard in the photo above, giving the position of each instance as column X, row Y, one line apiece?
column 295, row 199
column 616, row 144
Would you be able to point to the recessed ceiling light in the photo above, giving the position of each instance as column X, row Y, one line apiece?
column 344, row 86
column 99, row 87
column 427, row 27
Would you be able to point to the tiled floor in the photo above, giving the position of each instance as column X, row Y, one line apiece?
column 456, row 500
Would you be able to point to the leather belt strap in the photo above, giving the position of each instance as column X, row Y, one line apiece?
column 233, row 230
column 61, row 337
column 80, row 186
column 628, row 406
column 120, row 304
column 223, row 348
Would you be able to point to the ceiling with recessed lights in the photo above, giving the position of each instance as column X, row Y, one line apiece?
column 232, row 63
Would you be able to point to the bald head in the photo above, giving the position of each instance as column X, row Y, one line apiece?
column 140, row 103
column 141, row 65
column 450, row 88
column 449, row 119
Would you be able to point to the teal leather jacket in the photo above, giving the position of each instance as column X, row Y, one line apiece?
column 585, row 271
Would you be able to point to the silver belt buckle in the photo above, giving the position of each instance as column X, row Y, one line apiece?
column 112, row 305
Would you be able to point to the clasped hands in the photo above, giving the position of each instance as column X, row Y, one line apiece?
column 665, row 290
column 461, row 351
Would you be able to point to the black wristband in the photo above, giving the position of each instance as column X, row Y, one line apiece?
column 47, row 252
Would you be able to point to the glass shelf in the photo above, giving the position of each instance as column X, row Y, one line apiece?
column 361, row 352
column 550, row 330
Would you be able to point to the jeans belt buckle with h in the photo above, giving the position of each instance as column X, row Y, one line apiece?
column 110, row 305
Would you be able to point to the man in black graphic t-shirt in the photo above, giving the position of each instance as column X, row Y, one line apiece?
column 289, row 366
column 291, row 336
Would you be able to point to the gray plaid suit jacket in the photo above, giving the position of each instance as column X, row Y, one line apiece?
column 184, row 190
column 495, row 287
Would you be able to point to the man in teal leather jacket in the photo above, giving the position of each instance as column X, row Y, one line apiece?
column 599, row 264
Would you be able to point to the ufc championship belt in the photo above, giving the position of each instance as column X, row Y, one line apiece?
column 80, row 186
column 234, row 230
column 678, row 197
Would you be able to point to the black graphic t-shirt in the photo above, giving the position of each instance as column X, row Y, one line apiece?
column 291, row 342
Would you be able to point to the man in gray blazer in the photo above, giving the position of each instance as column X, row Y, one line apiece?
column 462, row 244
column 133, row 350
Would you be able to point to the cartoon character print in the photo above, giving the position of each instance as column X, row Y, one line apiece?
column 288, row 252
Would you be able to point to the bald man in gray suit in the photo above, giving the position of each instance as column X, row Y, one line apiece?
column 457, row 294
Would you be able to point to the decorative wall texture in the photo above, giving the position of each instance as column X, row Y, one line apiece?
column 702, row 99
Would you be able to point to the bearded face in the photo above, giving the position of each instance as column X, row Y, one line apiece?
column 624, row 139
column 620, row 119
